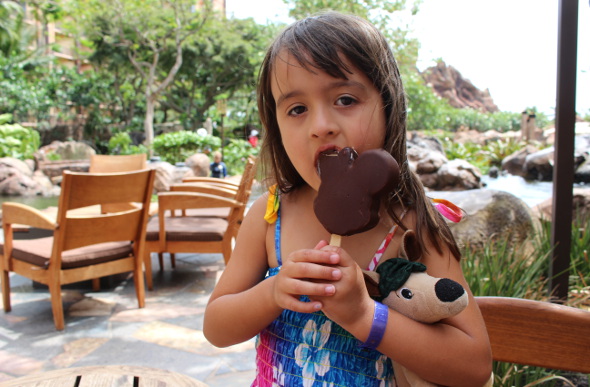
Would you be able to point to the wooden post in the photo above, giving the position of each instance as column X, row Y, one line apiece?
column 563, row 171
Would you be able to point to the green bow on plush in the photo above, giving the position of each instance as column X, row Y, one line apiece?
column 394, row 273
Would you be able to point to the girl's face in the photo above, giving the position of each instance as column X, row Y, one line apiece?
column 317, row 113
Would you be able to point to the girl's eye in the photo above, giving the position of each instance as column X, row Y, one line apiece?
column 297, row 110
column 345, row 101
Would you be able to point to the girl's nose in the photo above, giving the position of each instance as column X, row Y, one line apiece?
column 323, row 125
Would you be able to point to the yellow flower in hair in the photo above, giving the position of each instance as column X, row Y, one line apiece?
column 272, row 205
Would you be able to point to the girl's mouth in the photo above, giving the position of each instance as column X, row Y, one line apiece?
column 330, row 152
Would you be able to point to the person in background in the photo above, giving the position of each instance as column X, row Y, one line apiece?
column 218, row 167
column 253, row 139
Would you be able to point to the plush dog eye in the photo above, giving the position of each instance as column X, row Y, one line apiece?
column 407, row 294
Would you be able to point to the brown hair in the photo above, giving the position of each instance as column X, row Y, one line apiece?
column 367, row 50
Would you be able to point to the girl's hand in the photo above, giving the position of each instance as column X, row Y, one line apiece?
column 350, row 304
column 308, row 272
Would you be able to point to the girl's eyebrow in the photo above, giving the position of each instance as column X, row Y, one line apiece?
column 334, row 85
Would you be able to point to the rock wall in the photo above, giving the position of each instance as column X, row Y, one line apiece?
column 448, row 83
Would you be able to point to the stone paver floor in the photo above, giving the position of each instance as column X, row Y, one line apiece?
column 107, row 328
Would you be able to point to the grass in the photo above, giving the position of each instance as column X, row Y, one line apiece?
column 502, row 269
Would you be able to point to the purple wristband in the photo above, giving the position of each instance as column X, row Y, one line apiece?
column 378, row 328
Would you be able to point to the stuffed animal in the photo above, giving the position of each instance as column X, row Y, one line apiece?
column 404, row 286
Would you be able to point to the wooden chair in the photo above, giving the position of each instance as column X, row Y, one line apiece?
column 537, row 333
column 242, row 195
column 85, row 245
column 117, row 163
column 190, row 234
column 241, row 192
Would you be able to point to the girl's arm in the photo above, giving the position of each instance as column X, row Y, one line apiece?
column 243, row 303
column 453, row 352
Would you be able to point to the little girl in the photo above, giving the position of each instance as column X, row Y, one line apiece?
column 329, row 82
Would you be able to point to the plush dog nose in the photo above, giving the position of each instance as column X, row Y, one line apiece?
column 448, row 290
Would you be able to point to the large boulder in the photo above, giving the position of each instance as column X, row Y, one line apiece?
column 514, row 163
column 489, row 214
column 538, row 165
column 165, row 175
column 426, row 158
column 68, row 150
column 18, row 179
column 199, row 164
column 59, row 156
column 580, row 205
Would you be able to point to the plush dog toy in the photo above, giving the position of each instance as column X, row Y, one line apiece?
column 404, row 286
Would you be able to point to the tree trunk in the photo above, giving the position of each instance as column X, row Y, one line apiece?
column 148, row 124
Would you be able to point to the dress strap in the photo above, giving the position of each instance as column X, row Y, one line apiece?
column 379, row 253
column 278, row 237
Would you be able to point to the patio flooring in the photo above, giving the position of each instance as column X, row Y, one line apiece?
column 107, row 328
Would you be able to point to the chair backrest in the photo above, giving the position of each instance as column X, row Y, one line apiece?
column 117, row 163
column 537, row 333
column 85, row 190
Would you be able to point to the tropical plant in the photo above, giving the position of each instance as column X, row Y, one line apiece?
column 121, row 144
column 17, row 141
column 235, row 154
column 176, row 147
column 11, row 18
column 502, row 269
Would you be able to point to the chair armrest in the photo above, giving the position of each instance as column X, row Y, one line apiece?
column 211, row 180
column 182, row 200
column 219, row 190
column 17, row 213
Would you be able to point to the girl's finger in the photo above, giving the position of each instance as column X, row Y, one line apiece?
column 315, row 256
column 309, row 288
column 313, row 271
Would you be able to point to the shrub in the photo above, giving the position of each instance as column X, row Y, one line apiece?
column 121, row 144
column 235, row 154
column 176, row 147
column 16, row 140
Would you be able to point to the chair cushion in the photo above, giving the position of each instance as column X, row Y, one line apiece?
column 188, row 228
column 38, row 252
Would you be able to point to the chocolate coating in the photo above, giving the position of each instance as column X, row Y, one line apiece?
column 352, row 186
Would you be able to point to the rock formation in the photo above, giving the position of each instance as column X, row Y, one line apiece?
column 448, row 83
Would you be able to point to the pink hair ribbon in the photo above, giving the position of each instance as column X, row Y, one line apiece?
column 448, row 210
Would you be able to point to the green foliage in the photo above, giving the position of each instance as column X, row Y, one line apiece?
column 235, row 154
column 121, row 144
column 427, row 111
column 476, row 154
column 17, row 141
column 498, row 150
column 176, row 147
column 382, row 13
column 215, row 65
column 482, row 156
column 11, row 17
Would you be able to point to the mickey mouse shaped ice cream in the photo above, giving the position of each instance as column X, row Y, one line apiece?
column 351, row 189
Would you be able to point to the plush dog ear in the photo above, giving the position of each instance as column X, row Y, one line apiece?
column 372, row 283
column 410, row 247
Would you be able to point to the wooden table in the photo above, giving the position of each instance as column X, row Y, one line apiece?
column 105, row 376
